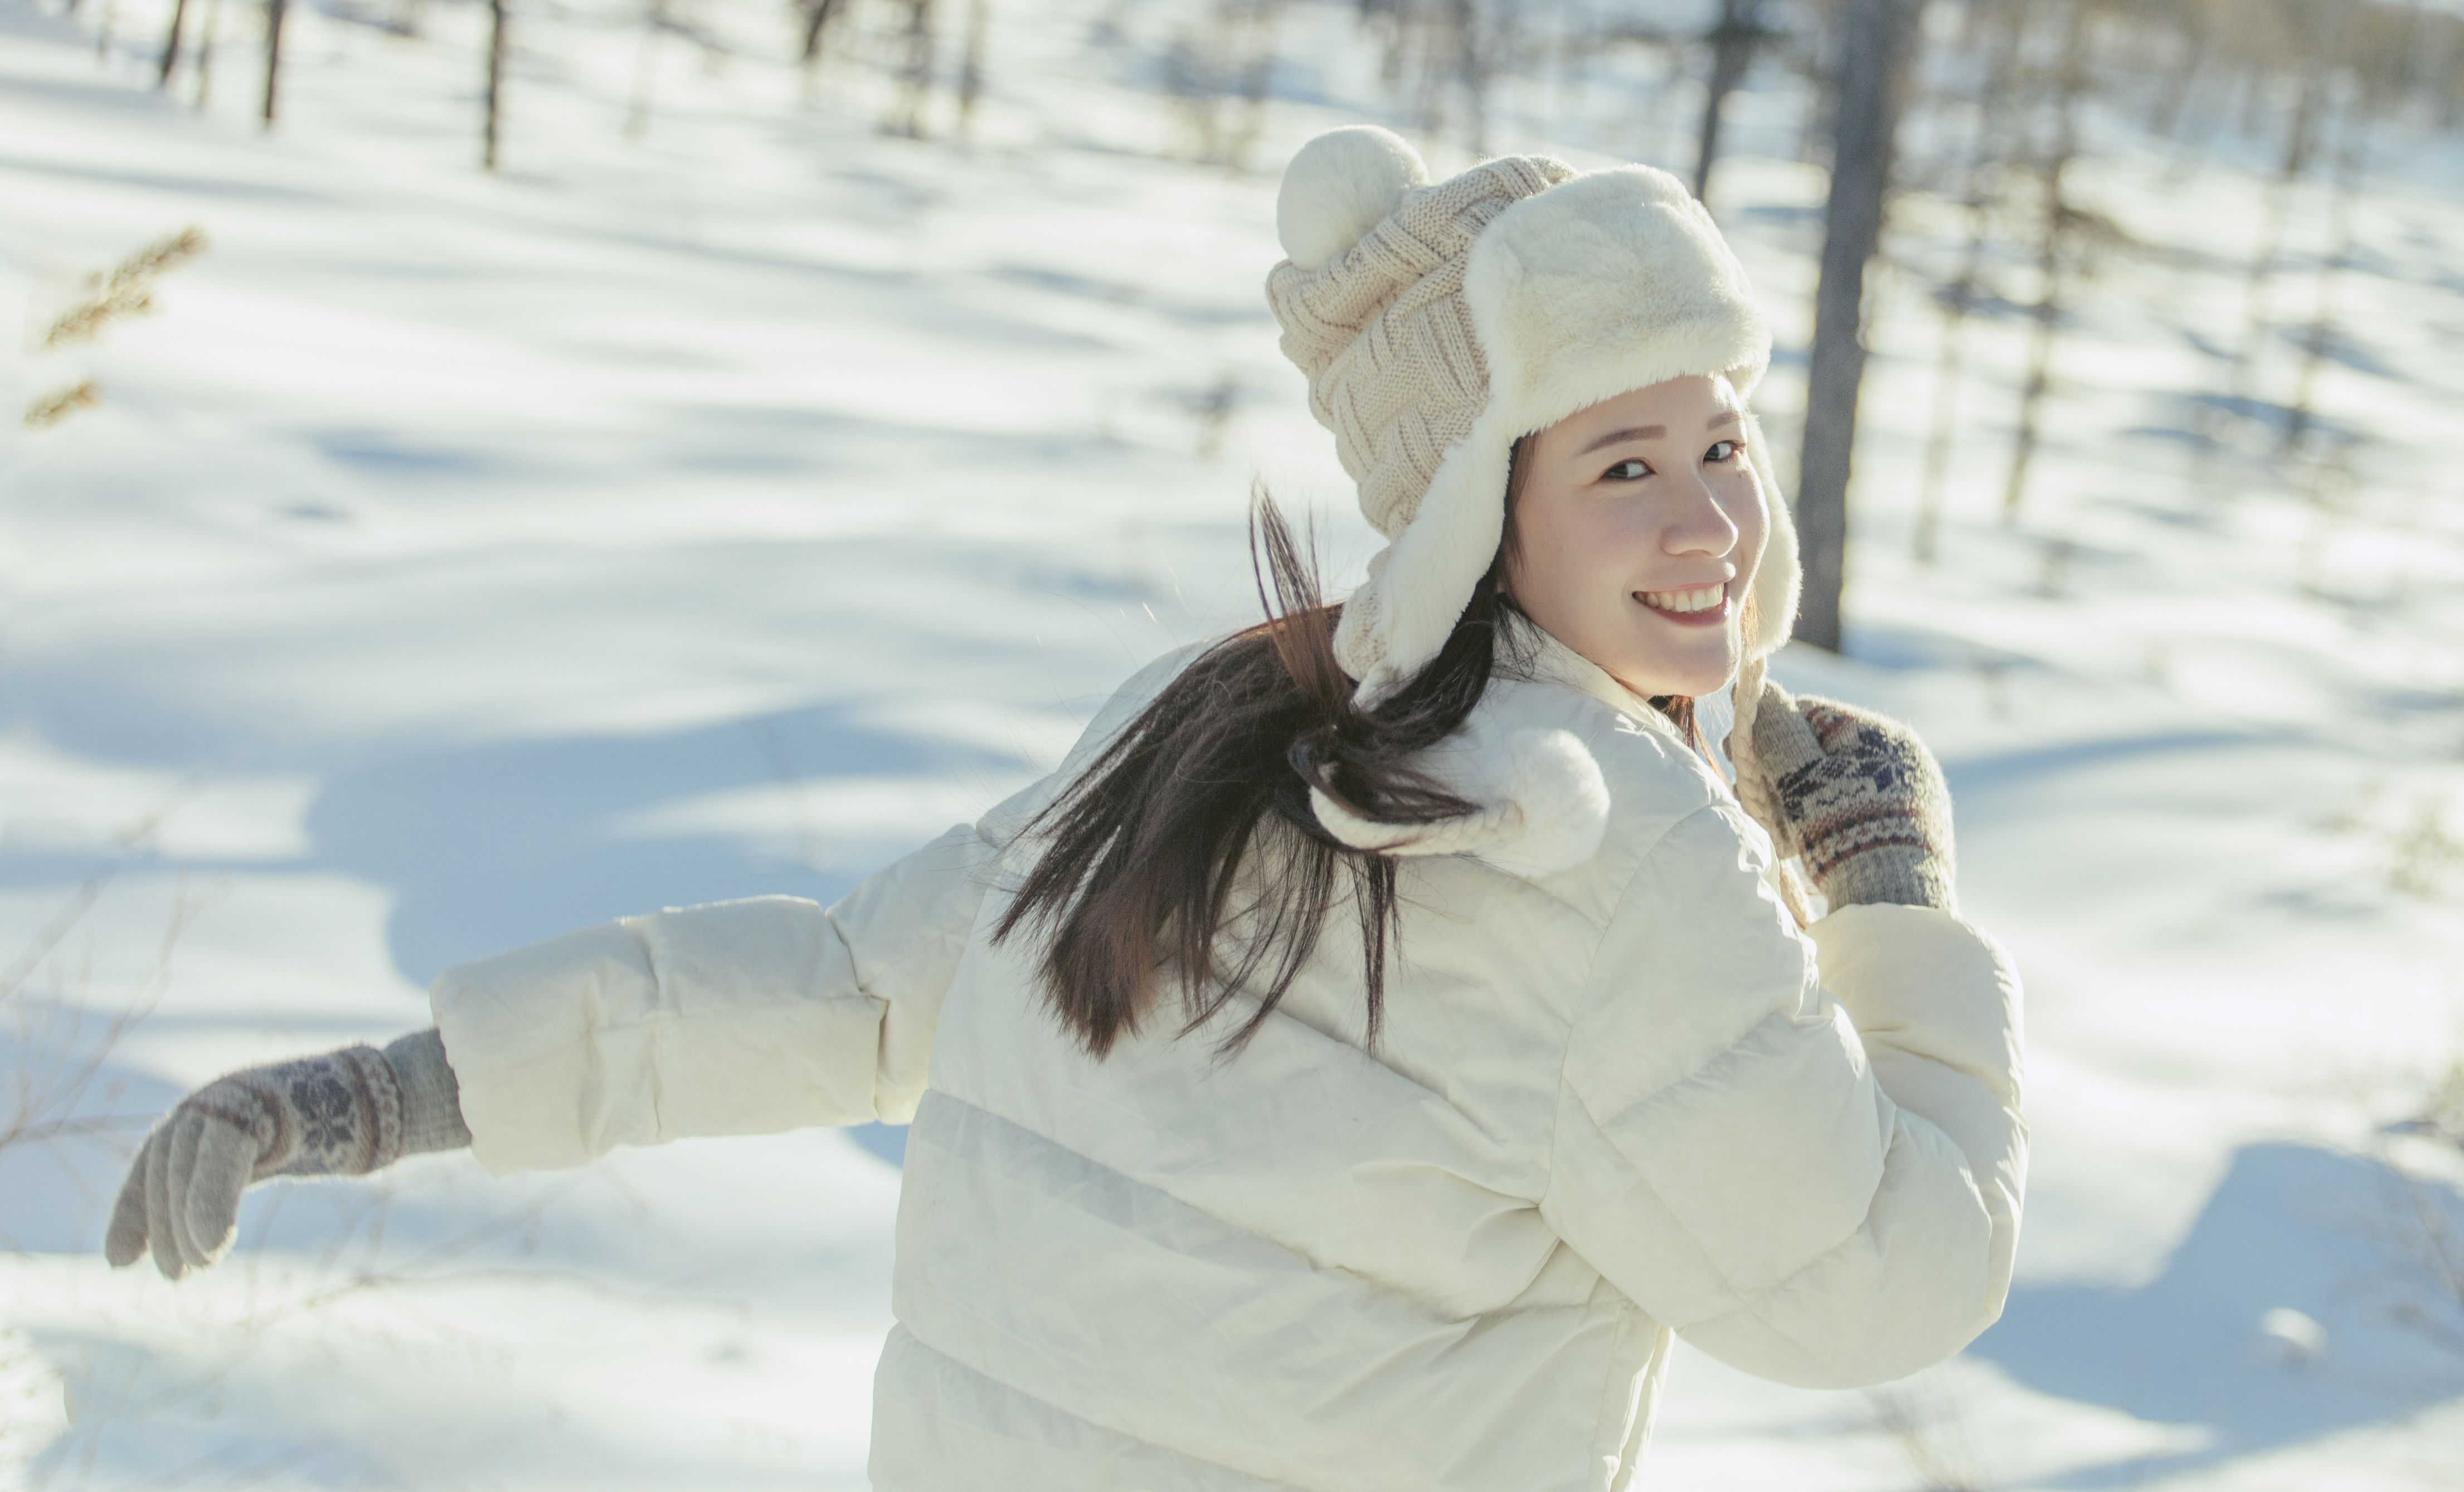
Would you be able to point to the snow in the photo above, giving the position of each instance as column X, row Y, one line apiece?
column 454, row 560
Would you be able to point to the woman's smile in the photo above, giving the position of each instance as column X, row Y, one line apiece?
column 1693, row 605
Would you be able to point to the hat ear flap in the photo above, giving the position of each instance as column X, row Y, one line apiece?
column 1779, row 576
column 1340, row 186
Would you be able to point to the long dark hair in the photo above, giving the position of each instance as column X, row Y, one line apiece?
column 1197, row 814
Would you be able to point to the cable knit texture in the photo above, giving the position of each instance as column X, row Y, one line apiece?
column 1385, row 336
column 1858, row 796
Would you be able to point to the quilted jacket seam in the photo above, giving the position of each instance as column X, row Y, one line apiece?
column 1591, row 970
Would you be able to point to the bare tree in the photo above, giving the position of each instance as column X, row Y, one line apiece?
column 207, row 27
column 914, row 72
column 2057, row 223
column 971, row 62
column 1873, row 38
column 171, row 43
column 1436, row 52
column 1733, row 39
column 818, row 18
column 274, row 12
column 1220, row 71
column 2321, row 334
column 1980, row 183
column 646, row 61
column 1472, row 65
column 495, row 93
column 2301, row 138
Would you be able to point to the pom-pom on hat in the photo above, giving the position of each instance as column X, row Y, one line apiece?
column 1437, row 324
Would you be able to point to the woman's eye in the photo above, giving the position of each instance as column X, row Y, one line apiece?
column 1722, row 450
column 1633, row 468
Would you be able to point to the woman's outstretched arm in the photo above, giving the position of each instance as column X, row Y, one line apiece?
column 731, row 1018
column 737, row 1017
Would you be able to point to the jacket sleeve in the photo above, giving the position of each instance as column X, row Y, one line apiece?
column 737, row 1017
column 1805, row 1154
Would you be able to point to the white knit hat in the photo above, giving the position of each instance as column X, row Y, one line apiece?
column 1437, row 324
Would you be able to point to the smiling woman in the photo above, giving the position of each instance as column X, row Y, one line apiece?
column 1386, row 1032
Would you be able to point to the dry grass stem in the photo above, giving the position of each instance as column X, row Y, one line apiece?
column 59, row 404
column 2425, row 852
column 1924, row 1418
column 127, row 290
column 58, row 1062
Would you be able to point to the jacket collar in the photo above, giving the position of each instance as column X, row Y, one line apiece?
column 1549, row 661
column 1544, row 804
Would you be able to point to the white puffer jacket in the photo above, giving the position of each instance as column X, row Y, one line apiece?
column 1612, row 1101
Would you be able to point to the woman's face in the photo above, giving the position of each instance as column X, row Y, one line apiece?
column 1638, row 530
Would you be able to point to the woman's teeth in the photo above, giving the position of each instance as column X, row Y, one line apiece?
column 1699, row 597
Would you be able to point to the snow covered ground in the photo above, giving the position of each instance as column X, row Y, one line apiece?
column 454, row 560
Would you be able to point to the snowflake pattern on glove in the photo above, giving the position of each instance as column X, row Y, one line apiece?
column 330, row 1124
column 1871, row 816
column 340, row 1114
column 1860, row 796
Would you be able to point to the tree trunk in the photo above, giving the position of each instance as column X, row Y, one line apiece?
column 172, row 44
column 2322, row 332
column 2051, row 255
column 2241, row 402
column 1988, row 111
column 1471, row 64
column 646, row 66
column 816, row 19
column 206, row 26
column 971, row 63
column 1262, row 21
column 1732, row 53
column 496, row 85
column 274, row 12
column 915, row 72
column 1875, row 38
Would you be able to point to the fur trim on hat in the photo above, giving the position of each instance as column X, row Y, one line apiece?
column 1546, row 810
column 1340, row 186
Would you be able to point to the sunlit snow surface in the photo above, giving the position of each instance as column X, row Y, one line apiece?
column 454, row 560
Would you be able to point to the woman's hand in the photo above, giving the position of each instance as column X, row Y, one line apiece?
column 345, row 1113
column 1859, row 796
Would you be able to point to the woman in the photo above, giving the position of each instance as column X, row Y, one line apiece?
column 1386, row 1031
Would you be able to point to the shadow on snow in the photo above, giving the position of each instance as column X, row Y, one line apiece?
column 2338, row 1238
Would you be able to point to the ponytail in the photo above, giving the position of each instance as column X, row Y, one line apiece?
column 1206, row 795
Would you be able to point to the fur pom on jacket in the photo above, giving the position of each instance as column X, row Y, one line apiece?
column 1620, row 1097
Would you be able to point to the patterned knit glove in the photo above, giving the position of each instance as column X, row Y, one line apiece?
column 1860, row 797
column 345, row 1114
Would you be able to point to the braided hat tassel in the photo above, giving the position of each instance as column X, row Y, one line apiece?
column 1754, row 789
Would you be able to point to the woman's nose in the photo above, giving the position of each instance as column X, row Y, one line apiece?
column 1700, row 525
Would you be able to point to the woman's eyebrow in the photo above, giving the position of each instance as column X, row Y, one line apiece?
column 1619, row 437
column 1652, row 432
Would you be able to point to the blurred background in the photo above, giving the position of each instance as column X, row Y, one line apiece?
column 471, row 469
